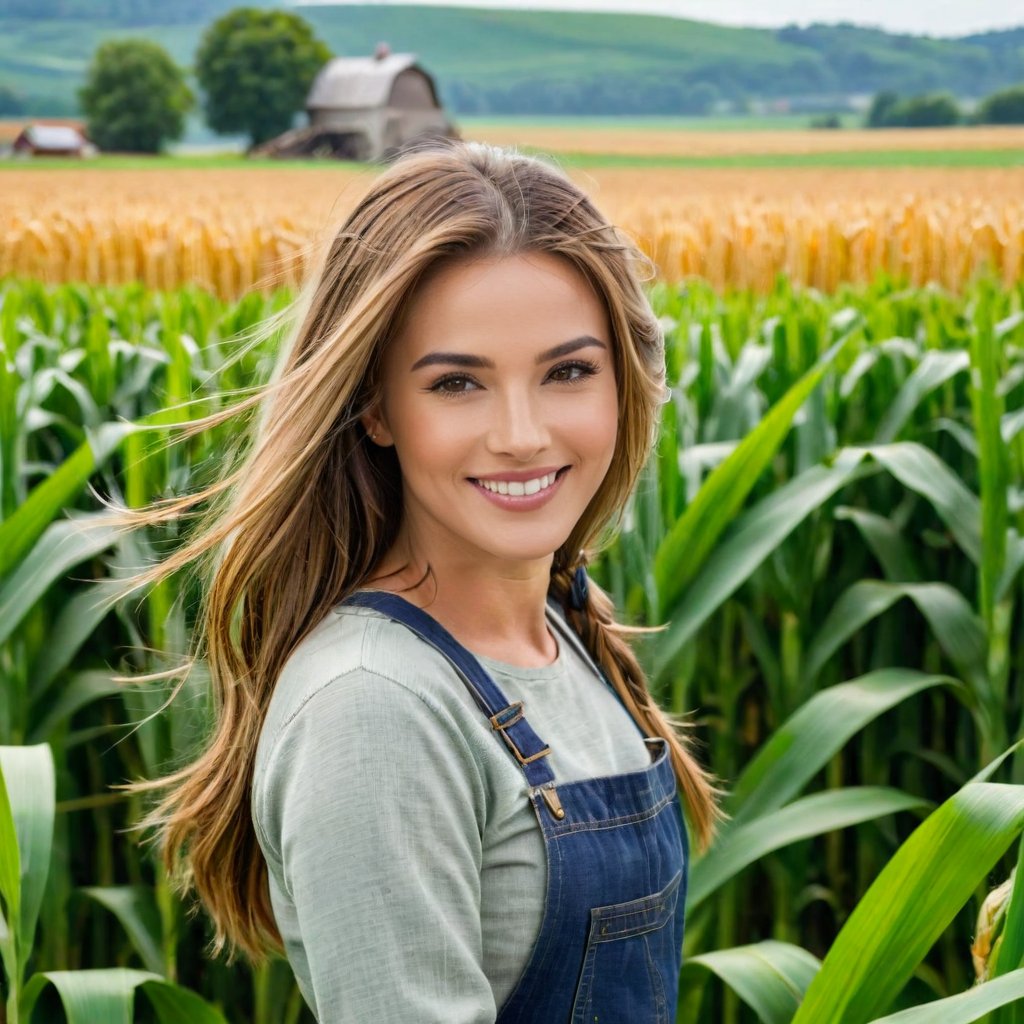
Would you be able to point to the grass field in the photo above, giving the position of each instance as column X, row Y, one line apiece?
column 586, row 143
column 640, row 140
column 751, row 161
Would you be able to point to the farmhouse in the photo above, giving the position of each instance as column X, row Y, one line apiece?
column 52, row 140
column 367, row 108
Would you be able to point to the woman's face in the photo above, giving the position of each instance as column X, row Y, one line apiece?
column 499, row 395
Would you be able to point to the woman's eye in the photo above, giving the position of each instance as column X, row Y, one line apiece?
column 574, row 371
column 453, row 384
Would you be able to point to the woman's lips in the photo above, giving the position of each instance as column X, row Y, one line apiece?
column 522, row 502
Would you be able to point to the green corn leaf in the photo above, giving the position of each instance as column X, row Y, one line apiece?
column 107, row 996
column 751, row 539
column 814, row 815
column 135, row 907
column 57, row 492
column 63, row 545
column 1014, row 564
column 1011, row 424
column 921, row 470
column 965, row 1007
column 77, row 620
column 814, row 733
column 177, row 1005
column 911, row 902
column 101, row 996
column 935, row 368
column 770, row 977
column 10, row 882
column 34, row 515
column 955, row 627
column 689, row 542
column 987, row 410
column 29, row 779
column 1010, row 954
column 887, row 543
column 80, row 690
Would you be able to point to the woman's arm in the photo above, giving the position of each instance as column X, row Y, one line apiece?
column 371, row 807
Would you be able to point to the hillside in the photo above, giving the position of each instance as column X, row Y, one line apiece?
column 505, row 61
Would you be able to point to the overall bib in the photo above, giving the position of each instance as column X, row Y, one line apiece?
column 610, row 944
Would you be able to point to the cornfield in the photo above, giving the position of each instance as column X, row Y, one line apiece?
column 235, row 231
column 831, row 525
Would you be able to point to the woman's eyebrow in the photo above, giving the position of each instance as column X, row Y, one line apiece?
column 479, row 362
column 583, row 341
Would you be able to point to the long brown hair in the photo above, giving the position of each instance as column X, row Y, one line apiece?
column 310, row 491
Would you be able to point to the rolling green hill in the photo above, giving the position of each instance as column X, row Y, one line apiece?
column 505, row 61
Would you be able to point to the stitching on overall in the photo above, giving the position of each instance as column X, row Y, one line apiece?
column 557, row 831
column 552, row 908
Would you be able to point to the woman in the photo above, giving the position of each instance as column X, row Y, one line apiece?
column 438, row 780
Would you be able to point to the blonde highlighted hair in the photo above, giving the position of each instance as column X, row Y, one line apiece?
column 311, row 492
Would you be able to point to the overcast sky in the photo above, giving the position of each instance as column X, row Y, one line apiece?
column 936, row 17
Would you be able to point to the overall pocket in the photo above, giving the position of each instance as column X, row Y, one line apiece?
column 631, row 966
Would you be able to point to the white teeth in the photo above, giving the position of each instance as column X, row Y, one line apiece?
column 519, row 488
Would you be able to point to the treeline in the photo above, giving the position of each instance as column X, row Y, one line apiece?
column 591, row 94
column 890, row 110
column 794, row 62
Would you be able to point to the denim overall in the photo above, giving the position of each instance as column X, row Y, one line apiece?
column 611, row 935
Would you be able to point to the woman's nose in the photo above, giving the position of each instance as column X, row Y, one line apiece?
column 519, row 427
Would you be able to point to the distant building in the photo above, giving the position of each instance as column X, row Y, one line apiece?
column 52, row 140
column 366, row 108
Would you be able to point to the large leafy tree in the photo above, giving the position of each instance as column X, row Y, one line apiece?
column 135, row 97
column 255, row 68
column 1003, row 107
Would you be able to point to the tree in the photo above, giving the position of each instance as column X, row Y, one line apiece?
column 255, row 68
column 1003, row 107
column 935, row 111
column 881, row 108
column 135, row 97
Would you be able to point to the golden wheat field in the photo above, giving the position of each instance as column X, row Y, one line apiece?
column 640, row 140
column 232, row 230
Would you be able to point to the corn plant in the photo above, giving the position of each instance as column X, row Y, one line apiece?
column 830, row 530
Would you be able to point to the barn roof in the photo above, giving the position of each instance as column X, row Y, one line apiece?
column 355, row 83
column 53, row 136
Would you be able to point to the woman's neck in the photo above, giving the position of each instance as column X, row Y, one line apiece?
column 497, row 611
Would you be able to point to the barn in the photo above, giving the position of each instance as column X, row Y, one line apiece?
column 52, row 140
column 367, row 108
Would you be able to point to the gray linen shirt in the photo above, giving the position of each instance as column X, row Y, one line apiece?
column 407, row 868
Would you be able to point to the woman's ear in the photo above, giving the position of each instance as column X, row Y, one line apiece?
column 376, row 429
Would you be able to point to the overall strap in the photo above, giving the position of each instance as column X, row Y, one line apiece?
column 506, row 718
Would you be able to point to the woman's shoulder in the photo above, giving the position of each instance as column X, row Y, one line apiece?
column 358, row 656
column 363, row 646
column 362, row 701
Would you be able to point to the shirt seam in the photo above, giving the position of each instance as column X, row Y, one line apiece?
column 437, row 711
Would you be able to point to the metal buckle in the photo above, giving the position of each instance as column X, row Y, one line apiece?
column 501, row 724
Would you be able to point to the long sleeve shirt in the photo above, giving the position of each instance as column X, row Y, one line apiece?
column 407, row 868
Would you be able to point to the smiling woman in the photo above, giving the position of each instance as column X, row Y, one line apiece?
column 438, row 780
column 503, row 432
